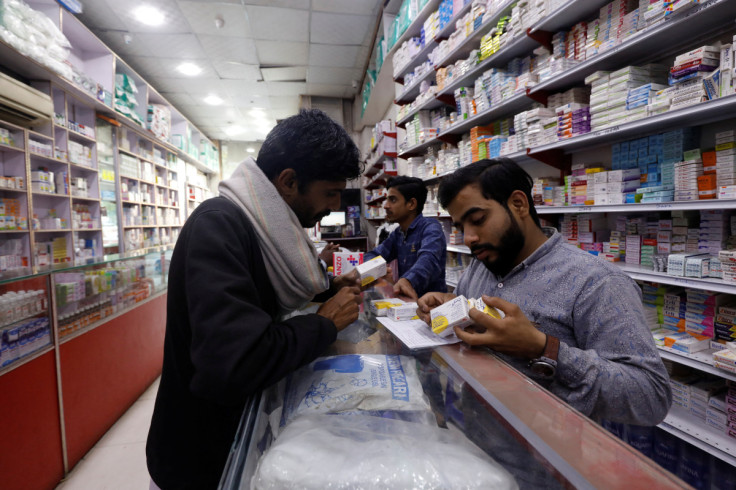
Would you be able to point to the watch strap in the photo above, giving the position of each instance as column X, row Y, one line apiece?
column 551, row 348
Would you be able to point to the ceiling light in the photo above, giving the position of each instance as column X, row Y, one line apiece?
column 233, row 130
column 213, row 100
column 251, row 149
column 149, row 15
column 189, row 69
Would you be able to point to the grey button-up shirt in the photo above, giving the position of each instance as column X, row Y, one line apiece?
column 608, row 365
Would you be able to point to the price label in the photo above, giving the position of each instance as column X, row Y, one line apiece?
column 586, row 209
column 679, row 280
column 607, row 131
column 663, row 206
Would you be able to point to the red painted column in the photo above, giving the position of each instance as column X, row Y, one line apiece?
column 104, row 371
column 30, row 447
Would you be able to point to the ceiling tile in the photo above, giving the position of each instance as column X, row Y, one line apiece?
column 101, row 17
column 326, row 90
column 179, row 98
column 166, row 68
column 286, row 88
column 284, row 113
column 279, row 24
column 115, row 41
column 174, row 20
column 332, row 55
column 292, row 4
column 285, row 74
column 340, row 28
column 286, row 102
column 242, row 88
column 237, row 71
column 201, row 17
column 333, row 76
column 179, row 46
column 282, row 53
column 229, row 48
column 358, row 7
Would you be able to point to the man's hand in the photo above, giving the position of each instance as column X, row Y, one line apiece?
column 514, row 335
column 342, row 308
column 429, row 301
column 326, row 253
column 351, row 279
column 404, row 288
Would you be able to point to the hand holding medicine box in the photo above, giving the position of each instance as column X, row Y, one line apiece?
column 372, row 270
column 456, row 313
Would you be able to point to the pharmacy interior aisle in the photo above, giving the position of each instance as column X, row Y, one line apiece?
column 118, row 119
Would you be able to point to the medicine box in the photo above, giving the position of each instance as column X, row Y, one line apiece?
column 400, row 313
column 372, row 270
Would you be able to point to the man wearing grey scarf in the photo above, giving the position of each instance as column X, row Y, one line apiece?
column 242, row 263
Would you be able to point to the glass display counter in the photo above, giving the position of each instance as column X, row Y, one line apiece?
column 478, row 404
column 72, row 298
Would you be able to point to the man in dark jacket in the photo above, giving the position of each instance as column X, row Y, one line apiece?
column 243, row 262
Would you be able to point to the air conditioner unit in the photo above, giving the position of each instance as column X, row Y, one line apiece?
column 23, row 105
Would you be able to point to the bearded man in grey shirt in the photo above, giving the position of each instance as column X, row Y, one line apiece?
column 574, row 323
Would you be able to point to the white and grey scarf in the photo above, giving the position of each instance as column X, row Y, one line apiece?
column 291, row 259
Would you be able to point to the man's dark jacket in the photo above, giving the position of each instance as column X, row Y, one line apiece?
column 223, row 342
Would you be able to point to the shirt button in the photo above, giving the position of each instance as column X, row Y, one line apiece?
column 500, row 285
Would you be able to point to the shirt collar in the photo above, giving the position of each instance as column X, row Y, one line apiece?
column 552, row 241
column 420, row 217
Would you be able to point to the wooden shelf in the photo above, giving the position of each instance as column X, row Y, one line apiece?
column 49, row 194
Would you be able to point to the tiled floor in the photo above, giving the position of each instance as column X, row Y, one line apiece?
column 118, row 460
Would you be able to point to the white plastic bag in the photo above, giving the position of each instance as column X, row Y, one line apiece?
column 354, row 382
column 363, row 452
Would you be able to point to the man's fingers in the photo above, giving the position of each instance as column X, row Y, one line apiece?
column 472, row 338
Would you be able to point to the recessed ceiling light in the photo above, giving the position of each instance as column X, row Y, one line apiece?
column 233, row 130
column 250, row 149
column 151, row 16
column 213, row 100
column 189, row 69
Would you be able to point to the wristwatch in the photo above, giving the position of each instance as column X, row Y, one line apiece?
column 546, row 364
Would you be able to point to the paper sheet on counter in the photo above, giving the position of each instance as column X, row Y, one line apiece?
column 415, row 334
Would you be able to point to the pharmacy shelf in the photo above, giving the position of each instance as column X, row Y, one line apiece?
column 641, row 273
column 79, row 137
column 416, row 150
column 53, row 230
column 379, row 178
column 641, row 207
column 411, row 92
column 88, row 199
column 695, row 431
column 429, row 104
column 374, row 165
column 438, row 177
column 702, row 361
column 423, row 54
column 694, row 115
column 83, row 167
column 80, row 230
column 376, row 201
column 653, row 43
column 11, row 149
column 459, row 249
column 17, row 191
column 414, row 29
column 49, row 194
column 47, row 158
column 14, row 231
column 511, row 105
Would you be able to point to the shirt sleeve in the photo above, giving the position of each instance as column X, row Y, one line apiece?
column 617, row 373
column 430, row 262
column 387, row 249
column 237, row 348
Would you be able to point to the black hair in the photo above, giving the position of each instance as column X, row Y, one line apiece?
column 312, row 144
column 410, row 188
column 497, row 179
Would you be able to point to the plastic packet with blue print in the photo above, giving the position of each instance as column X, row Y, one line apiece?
column 376, row 383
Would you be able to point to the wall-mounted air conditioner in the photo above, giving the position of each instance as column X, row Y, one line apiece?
column 23, row 105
